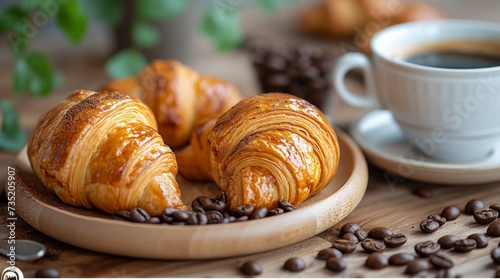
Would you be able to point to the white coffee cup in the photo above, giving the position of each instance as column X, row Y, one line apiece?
column 449, row 114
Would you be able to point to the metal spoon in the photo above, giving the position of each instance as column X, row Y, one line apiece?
column 25, row 250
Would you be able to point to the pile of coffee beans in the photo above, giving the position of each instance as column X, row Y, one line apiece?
column 204, row 210
column 300, row 70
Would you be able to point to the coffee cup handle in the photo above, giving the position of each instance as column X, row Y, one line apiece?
column 344, row 64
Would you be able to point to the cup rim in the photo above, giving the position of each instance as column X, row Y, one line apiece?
column 425, row 24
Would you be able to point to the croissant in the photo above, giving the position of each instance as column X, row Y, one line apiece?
column 266, row 148
column 101, row 149
column 178, row 96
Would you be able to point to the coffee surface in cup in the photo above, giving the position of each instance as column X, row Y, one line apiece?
column 455, row 54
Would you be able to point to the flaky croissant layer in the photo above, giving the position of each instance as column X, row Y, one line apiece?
column 266, row 148
column 102, row 150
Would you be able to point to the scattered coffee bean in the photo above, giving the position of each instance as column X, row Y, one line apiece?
column 495, row 255
column 361, row 234
column 450, row 213
column 464, row 245
column 429, row 226
column 424, row 192
column 426, row 248
column 344, row 246
column 395, row 240
column 473, row 205
column 122, row 215
column 400, row 259
column 443, row 273
column 349, row 228
column 154, row 220
column 295, row 264
column 494, row 229
column 275, row 211
column 437, row 218
column 439, row 260
column 481, row 240
column 325, row 254
column 417, row 266
column 139, row 215
column 371, row 246
column 447, row 241
column 495, row 206
column 243, row 210
column 497, row 273
column 47, row 273
column 485, row 216
column 379, row 232
column 350, row 236
column 286, row 206
column 336, row 264
column 181, row 216
column 259, row 213
column 376, row 261
column 251, row 268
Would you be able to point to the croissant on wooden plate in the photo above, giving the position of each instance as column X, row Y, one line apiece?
column 102, row 150
column 266, row 148
column 178, row 96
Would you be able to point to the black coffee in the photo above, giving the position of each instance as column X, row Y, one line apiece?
column 456, row 55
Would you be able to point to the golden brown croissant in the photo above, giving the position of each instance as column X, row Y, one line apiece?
column 178, row 96
column 266, row 148
column 102, row 150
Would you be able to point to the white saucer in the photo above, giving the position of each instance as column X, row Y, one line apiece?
column 384, row 145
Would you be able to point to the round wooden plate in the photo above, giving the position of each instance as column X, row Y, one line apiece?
column 97, row 231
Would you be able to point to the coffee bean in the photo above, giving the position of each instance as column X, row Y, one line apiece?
column 285, row 205
column 295, row 264
column 217, row 205
column 481, row 240
column 447, row 241
column 139, row 215
column 350, row 236
column 417, row 266
column 259, row 213
column 494, row 229
column 154, row 220
column 379, row 232
column 442, row 273
column 243, row 210
column 497, row 273
column 439, row 260
column 485, row 216
column 349, row 228
column 495, row 206
column 473, row 205
column 325, row 254
column 335, row 264
column 181, row 216
column 275, row 211
column 437, row 218
column 361, row 234
column 344, row 246
column 395, row 240
column 241, row 219
column 214, row 217
column 426, row 248
column 251, row 268
column 371, row 246
column 424, row 192
column 400, row 259
column 464, row 245
column 122, row 215
column 47, row 273
column 429, row 226
column 166, row 215
column 197, row 218
column 495, row 255
column 376, row 261
column 450, row 213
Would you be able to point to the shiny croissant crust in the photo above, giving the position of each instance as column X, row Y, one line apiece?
column 102, row 150
column 266, row 148
column 178, row 96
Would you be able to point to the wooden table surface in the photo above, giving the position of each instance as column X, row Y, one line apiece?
column 387, row 202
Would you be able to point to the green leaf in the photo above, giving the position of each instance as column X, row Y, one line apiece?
column 125, row 63
column 109, row 11
column 160, row 9
column 270, row 6
column 71, row 21
column 144, row 35
column 33, row 73
column 222, row 28
column 12, row 136
column 11, row 20
column 28, row 5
